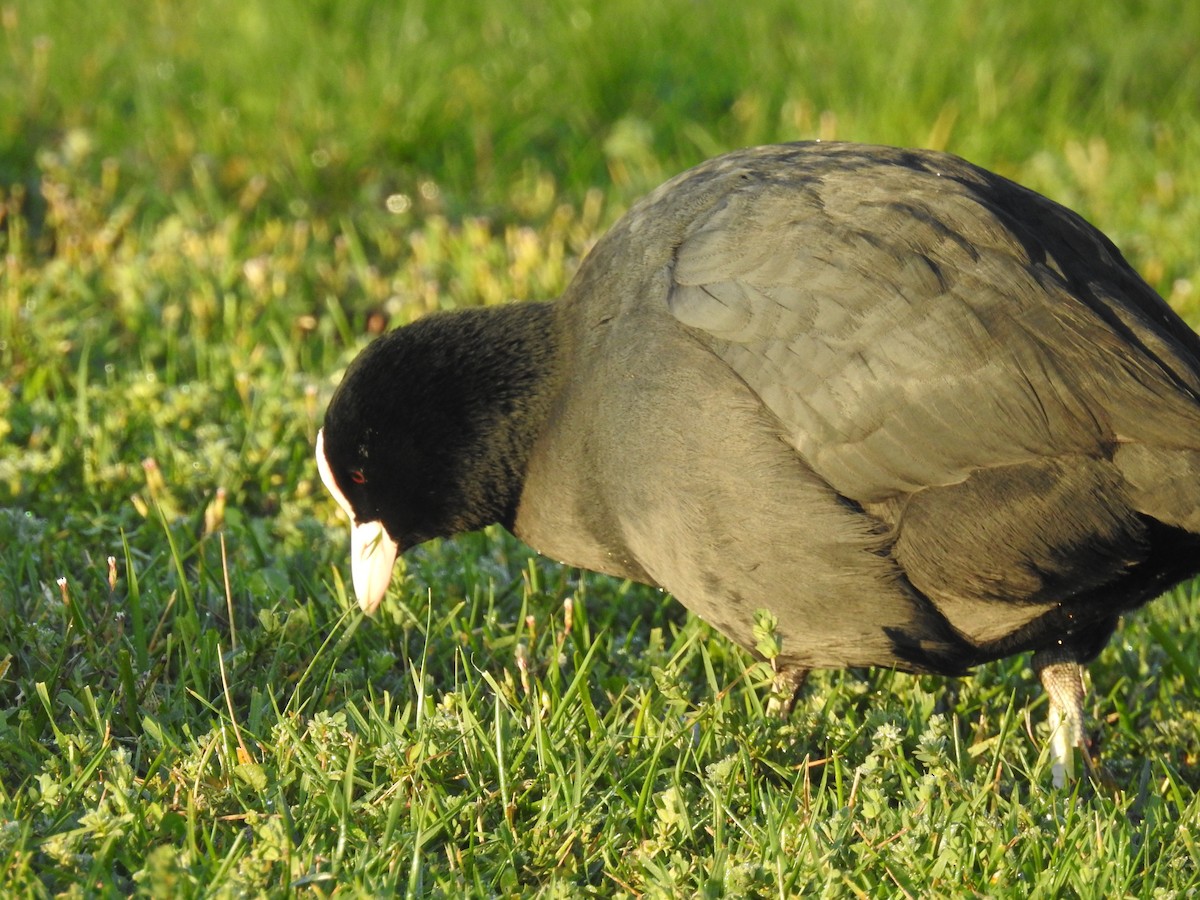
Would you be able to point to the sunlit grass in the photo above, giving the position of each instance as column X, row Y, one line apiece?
column 205, row 213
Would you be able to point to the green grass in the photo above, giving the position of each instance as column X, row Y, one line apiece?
column 206, row 210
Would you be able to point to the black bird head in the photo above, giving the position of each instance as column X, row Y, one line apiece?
column 429, row 432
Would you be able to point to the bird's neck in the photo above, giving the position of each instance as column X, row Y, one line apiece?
column 514, row 366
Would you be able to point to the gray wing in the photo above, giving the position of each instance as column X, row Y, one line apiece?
column 913, row 319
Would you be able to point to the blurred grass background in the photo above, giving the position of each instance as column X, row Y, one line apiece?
column 207, row 209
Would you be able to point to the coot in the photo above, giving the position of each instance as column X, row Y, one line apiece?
column 922, row 415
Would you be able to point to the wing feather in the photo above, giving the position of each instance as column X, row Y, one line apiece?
column 907, row 329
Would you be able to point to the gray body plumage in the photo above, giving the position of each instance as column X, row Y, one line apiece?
column 907, row 405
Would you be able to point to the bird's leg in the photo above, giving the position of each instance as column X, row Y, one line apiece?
column 785, row 688
column 1062, row 678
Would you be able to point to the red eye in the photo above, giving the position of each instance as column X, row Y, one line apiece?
column 357, row 476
